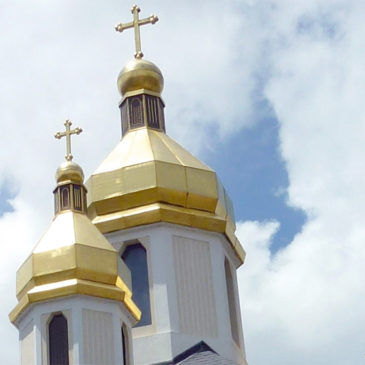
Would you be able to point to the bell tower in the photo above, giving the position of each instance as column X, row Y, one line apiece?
column 74, row 302
column 170, row 219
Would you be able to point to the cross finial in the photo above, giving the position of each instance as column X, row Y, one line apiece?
column 68, row 134
column 136, row 24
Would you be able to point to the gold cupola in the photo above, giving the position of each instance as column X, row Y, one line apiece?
column 140, row 83
column 148, row 177
column 72, row 257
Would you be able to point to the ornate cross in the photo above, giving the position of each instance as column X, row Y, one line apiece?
column 68, row 134
column 136, row 24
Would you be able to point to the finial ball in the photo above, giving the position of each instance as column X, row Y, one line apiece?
column 140, row 74
column 69, row 171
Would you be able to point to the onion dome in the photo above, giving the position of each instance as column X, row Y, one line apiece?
column 139, row 74
column 69, row 171
column 149, row 178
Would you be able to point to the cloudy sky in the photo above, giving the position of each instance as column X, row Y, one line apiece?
column 268, row 93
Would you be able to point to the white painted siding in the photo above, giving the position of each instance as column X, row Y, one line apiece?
column 98, row 337
column 27, row 345
column 195, row 295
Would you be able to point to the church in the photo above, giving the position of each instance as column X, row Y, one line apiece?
column 138, row 265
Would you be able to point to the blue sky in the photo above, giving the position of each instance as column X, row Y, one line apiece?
column 5, row 196
column 268, row 93
column 256, row 174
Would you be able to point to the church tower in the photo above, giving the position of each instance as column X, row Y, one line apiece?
column 74, row 302
column 171, row 221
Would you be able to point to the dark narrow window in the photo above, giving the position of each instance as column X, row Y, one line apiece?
column 65, row 198
column 58, row 341
column 231, row 302
column 152, row 111
column 123, row 110
column 77, row 197
column 136, row 112
column 84, row 200
column 56, row 207
column 161, row 115
column 125, row 346
column 135, row 257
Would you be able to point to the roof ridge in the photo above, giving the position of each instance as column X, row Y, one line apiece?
column 199, row 347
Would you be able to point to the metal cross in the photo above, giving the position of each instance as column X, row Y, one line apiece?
column 68, row 134
column 136, row 24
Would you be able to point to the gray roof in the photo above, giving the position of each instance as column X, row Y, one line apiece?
column 206, row 357
column 199, row 354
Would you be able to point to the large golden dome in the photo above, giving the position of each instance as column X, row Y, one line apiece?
column 150, row 178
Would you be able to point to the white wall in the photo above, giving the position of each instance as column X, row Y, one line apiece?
column 188, row 291
column 94, row 330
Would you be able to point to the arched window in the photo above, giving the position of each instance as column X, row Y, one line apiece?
column 65, row 197
column 135, row 257
column 58, row 341
column 231, row 302
column 77, row 197
column 136, row 112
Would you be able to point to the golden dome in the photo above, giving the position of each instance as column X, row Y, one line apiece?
column 140, row 74
column 150, row 178
column 69, row 171
column 73, row 257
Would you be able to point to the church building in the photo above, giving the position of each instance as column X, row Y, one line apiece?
column 138, row 265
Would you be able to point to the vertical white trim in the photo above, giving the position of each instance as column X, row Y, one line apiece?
column 38, row 340
column 77, row 334
column 117, row 328
column 27, row 343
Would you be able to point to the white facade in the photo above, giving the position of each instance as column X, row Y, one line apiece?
column 94, row 331
column 188, row 292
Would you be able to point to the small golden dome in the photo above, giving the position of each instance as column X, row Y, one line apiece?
column 73, row 258
column 140, row 74
column 69, row 171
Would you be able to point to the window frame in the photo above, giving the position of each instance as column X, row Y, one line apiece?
column 232, row 302
column 148, row 328
column 48, row 347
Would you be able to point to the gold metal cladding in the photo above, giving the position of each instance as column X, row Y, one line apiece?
column 71, row 228
column 140, row 74
column 136, row 23
column 150, row 178
column 140, row 91
column 147, row 166
column 159, row 212
column 72, row 249
column 69, row 171
column 76, row 261
column 68, row 133
column 75, row 287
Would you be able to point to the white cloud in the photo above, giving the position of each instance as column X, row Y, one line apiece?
column 18, row 231
column 307, row 304
column 302, row 305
